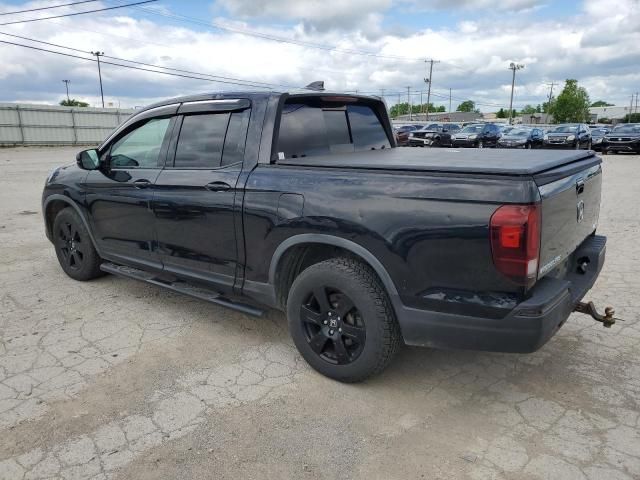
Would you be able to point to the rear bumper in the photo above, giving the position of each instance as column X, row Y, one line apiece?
column 524, row 329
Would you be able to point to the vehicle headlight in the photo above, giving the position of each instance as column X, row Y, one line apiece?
column 521, row 140
column 597, row 140
column 571, row 137
column 473, row 137
column 545, row 137
column 411, row 135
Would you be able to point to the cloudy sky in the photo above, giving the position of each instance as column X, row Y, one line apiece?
column 366, row 45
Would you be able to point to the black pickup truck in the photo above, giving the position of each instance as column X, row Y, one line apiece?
column 301, row 202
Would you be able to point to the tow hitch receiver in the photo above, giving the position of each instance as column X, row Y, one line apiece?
column 590, row 309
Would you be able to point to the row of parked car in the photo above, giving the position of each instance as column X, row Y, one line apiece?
column 621, row 138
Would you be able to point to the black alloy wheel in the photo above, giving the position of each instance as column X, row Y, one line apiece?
column 70, row 245
column 342, row 320
column 74, row 248
column 334, row 327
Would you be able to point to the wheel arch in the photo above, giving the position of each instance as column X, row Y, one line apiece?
column 314, row 239
column 53, row 205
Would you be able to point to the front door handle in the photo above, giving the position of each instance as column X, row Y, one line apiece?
column 142, row 183
column 217, row 186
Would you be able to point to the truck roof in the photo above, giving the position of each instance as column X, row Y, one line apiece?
column 253, row 95
column 479, row 161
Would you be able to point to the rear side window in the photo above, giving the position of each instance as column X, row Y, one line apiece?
column 312, row 129
column 211, row 140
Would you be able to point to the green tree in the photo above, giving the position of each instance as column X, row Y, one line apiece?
column 441, row 108
column 399, row 109
column 466, row 106
column 528, row 110
column 73, row 103
column 572, row 105
column 601, row 103
column 501, row 113
column 631, row 118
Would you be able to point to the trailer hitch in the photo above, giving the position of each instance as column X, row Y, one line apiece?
column 589, row 308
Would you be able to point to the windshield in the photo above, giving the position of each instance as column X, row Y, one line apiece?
column 472, row 129
column 519, row 133
column 632, row 128
column 433, row 126
column 598, row 132
column 564, row 129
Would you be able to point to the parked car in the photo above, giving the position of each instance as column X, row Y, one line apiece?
column 478, row 135
column 597, row 136
column 301, row 203
column 434, row 135
column 521, row 137
column 504, row 129
column 402, row 134
column 569, row 135
column 623, row 138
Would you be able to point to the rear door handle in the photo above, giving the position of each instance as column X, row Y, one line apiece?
column 142, row 183
column 217, row 186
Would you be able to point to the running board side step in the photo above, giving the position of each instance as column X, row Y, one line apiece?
column 181, row 287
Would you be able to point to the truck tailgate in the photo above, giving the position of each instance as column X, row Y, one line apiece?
column 570, row 209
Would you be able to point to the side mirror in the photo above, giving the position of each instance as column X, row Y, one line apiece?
column 88, row 159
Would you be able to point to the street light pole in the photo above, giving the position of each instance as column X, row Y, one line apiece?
column 66, row 84
column 409, row 103
column 98, row 54
column 514, row 67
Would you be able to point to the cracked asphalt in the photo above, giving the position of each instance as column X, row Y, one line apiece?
column 113, row 379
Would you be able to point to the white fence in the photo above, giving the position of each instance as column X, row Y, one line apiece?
column 24, row 124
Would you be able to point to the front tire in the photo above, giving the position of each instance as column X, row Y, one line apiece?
column 480, row 144
column 341, row 320
column 74, row 248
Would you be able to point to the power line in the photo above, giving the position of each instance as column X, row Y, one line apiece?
column 247, row 84
column 265, row 84
column 15, row 12
column 279, row 39
column 77, row 13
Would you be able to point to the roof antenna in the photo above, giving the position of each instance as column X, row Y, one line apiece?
column 317, row 85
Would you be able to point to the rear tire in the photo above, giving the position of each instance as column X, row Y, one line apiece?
column 74, row 248
column 341, row 320
column 480, row 144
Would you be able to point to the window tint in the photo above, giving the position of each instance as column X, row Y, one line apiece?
column 201, row 141
column 141, row 147
column 316, row 129
column 236, row 137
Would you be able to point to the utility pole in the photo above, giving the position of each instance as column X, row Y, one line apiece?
column 636, row 109
column 551, row 85
column 66, row 84
column 514, row 67
column 630, row 110
column 99, row 54
column 449, row 101
column 409, row 102
column 421, row 105
column 428, row 82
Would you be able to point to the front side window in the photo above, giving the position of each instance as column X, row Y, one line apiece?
column 140, row 148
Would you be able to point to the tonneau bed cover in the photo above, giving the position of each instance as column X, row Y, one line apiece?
column 478, row 161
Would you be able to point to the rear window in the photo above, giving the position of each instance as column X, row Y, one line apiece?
column 315, row 128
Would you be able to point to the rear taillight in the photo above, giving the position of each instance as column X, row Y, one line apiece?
column 515, row 242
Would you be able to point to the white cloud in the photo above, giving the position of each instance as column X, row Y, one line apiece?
column 597, row 46
column 320, row 14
